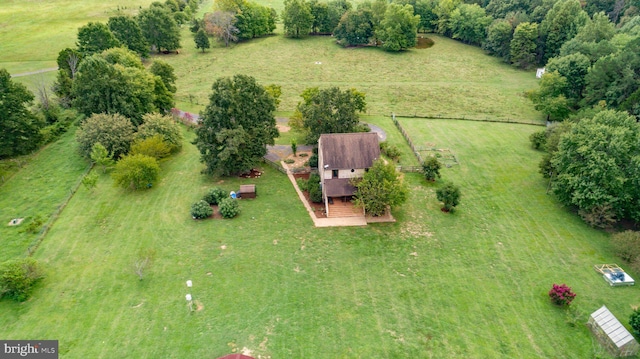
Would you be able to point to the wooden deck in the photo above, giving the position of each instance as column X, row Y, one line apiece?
column 344, row 209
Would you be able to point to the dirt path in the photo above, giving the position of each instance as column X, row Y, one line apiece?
column 35, row 72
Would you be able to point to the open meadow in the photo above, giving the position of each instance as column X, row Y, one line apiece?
column 471, row 284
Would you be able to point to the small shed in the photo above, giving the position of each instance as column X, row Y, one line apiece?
column 248, row 191
column 612, row 334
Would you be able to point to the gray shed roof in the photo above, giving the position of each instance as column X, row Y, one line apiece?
column 618, row 334
column 349, row 150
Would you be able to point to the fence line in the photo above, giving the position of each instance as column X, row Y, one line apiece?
column 274, row 164
column 464, row 118
column 408, row 139
column 47, row 226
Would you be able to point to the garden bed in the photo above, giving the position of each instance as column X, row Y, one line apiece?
column 318, row 208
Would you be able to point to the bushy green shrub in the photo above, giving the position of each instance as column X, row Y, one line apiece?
column 315, row 192
column 302, row 184
column 634, row 322
column 431, row 168
column 17, row 278
column 201, row 210
column 215, row 195
column 538, row 139
column 449, row 195
column 390, row 151
column 157, row 124
column 136, row 172
column 313, row 161
column 153, row 146
column 314, row 178
column 229, row 207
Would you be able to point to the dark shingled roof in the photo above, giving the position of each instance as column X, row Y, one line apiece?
column 350, row 150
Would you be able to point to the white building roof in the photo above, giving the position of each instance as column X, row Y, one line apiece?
column 612, row 327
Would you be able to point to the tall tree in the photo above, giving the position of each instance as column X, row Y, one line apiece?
column 469, row 23
column 330, row 111
column 128, row 32
column 443, row 13
column 355, row 28
column 597, row 164
column 523, row 45
column 113, row 132
column 380, row 187
column 165, row 71
column 202, row 40
column 237, row 124
column 551, row 97
column 498, row 40
column 159, row 28
column 103, row 87
column 398, row 29
column 19, row 127
column 574, row 68
column 561, row 24
column 95, row 37
column 297, row 18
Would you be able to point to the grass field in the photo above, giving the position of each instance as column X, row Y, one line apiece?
column 432, row 285
column 472, row 284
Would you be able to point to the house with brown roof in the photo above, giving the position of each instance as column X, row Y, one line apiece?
column 342, row 157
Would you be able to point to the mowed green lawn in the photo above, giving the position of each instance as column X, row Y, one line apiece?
column 471, row 284
column 449, row 79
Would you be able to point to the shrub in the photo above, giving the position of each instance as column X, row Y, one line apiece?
column 390, row 151
column 294, row 146
column 315, row 192
column 303, row 184
column 157, row 124
column 313, row 161
column 136, row 172
column 431, row 168
column 449, row 195
column 34, row 226
column 314, row 178
column 215, row 195
column 201, row 210
column 229, row 207
column 600, row 216
column 539, row 140
column 18, row 277
column 561, row 295
column 626, row 245
column 153, row 146
column 634, row 322
column 289, row 161
column 114, row 132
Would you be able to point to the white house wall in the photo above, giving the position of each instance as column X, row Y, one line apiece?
column 348, row 174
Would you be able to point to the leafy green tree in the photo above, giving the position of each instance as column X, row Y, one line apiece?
column 159, row 28
column 102, row 87
column 297, row 18
column 443, row 13
column 380, row 187
column 275, row 91
column 561, row 24
column 634, row 321
column 469, row 23
column 612, row 78
column 94, row 38
column 320, row 13
column 153, row 146
column 550, row 98
column 122, row 56
column 68, row 61
column 574, row 69
column 254, row 20
column 101, row 156
column 597, row 29
column 215, row 195
column 127, row 30
column 499, row 9
column 524, row 45
column 431, row 168
column 330, row 111
column 157, row 124
column 425, row 9
column 398, row 29
column 166, row 73
column 449, row 195
column 136, row 172
column 114, row 132
column 355, row 28
column 19, row 127
column 202, row 40
column 498, row 40
column 237, row 124
column 597, row 164
column 18, row 277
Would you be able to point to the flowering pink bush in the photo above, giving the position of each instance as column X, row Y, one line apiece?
column 561, row 295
